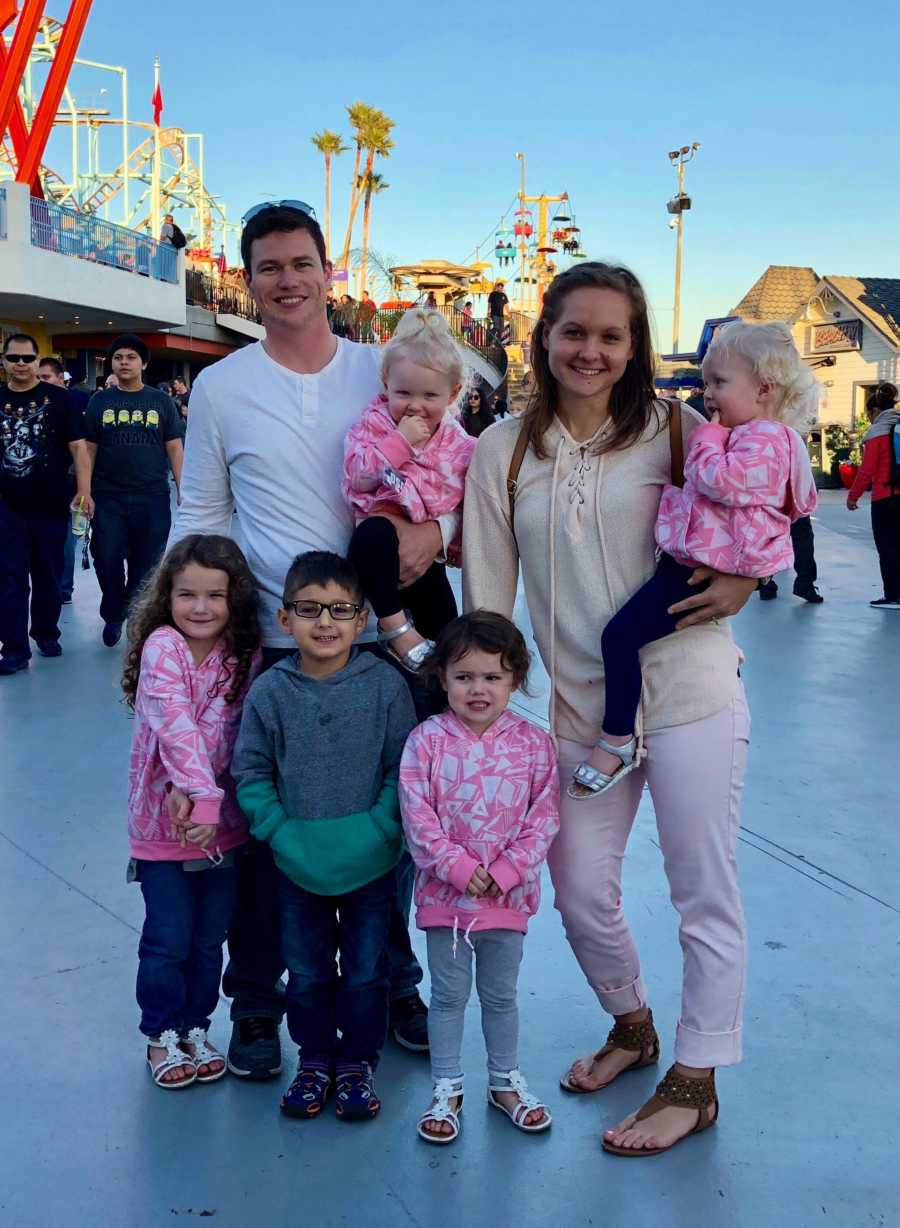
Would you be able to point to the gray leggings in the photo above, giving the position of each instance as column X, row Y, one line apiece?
column 498, row 954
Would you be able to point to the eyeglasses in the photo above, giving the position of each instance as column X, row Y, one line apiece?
column 299, row 206
column 341, row 611
column 20, row 357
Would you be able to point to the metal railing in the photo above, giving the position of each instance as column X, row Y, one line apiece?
column 378, row 327
column 2, row 213
column 88, row 237
column 201, row 290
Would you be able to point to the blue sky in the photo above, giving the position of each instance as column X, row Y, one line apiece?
column 795, row 105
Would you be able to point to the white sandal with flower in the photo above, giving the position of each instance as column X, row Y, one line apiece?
column 175, row 1057
column 514, row 1081
column 202, row 1053
column 445, row 1090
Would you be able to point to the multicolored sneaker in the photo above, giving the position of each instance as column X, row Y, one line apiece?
column 356, row 1099
column 307, row 1095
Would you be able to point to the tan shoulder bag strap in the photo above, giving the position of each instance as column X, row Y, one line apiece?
column 512, row 477
column 676, row 443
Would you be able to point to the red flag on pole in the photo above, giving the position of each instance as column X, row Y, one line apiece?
column 157, row 103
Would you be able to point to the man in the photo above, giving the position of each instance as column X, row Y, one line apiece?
column 497, row 304
column 367, row 311
column 181, row 395
column 40, row 432
column 51, row 371
column 805, row 571
column 133, row 438
column 267, row 439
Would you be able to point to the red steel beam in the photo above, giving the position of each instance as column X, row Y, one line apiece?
column 14, row 61
column 42, row 124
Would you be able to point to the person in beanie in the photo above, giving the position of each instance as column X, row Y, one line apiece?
column 133, row 436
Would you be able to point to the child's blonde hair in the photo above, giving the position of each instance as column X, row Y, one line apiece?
column 424, row 337
column 773, row 358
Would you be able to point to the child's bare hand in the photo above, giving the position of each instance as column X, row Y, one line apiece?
column 716, row 418
column 200, row 833
column 479, row 882
column 414, row 430
column 493, row 892
column 179, row 805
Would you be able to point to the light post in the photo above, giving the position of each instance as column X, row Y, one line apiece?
column 677, row 206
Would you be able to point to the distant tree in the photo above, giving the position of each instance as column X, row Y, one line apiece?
column 330, row 145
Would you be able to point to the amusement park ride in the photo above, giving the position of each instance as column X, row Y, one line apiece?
column 160, row 169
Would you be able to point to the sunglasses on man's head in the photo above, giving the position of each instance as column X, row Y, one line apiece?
column 20, row 357
column 299, row 206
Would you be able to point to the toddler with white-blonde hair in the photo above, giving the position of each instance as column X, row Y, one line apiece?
column 406, row 459
column 747, row 477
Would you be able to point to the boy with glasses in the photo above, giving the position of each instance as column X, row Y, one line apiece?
column 267, row 439
column 316, row 765
column 41, row 432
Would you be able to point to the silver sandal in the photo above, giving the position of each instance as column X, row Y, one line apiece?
column 597, row 782
column 514, row 1081
column 204, row 1054
column 445, row 1090
column 174, row 1058
column 413, row 659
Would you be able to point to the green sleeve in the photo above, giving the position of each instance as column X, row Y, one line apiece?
column 262, row 806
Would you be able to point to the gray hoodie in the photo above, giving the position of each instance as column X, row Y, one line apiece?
column 327, row 743
column 882, row 424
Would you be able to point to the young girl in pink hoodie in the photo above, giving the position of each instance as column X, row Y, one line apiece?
column 747, row 476
column 479, row 795
column 407, row 458
column 193, row 651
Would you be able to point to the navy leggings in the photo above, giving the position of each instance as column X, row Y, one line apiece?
column 640, row 621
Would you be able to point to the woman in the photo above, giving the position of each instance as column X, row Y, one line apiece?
column 476, row 415
column 875, row 472
column 581, row 519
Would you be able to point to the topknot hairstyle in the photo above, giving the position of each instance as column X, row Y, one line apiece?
column 773, row 358
column 423, row 336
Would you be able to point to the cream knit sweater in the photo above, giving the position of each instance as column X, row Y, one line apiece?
column 584, row 526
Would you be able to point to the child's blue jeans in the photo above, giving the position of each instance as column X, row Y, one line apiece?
column 314, row 930
column 180, row 953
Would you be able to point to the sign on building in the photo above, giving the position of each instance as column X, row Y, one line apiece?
column 836, row 337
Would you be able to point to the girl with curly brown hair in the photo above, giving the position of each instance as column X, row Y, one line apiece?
column 194, row 649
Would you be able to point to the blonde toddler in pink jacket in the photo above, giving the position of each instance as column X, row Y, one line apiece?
column 747, row 476
column 479, row 796
column 407, row 459
column 194, row 649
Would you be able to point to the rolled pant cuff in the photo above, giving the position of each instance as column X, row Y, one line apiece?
column 701, row 1049
column 631, row 997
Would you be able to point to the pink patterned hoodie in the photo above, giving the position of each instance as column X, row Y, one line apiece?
column 385, row 473
column 184, row 734
column 466, row 802
column 742, row 490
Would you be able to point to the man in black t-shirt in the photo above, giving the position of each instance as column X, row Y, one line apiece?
column 40, row 433
column 497, row 304
column 134, row 437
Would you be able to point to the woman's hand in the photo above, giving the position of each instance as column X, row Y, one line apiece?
column 726, row 595
column 852, row 504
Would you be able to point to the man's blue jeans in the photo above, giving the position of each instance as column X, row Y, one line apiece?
column 180, row 953
column 315, row 929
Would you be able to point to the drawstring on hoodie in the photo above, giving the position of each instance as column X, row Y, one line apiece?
column 466, row 939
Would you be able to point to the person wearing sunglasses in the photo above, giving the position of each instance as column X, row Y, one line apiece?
column 41, row 432
column 267, row 439
column 477, row 415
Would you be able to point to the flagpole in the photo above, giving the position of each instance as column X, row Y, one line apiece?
column 155, row 206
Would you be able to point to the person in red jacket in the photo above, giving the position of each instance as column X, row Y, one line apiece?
column 875, row 472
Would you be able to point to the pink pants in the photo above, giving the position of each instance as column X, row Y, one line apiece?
column 695, row 774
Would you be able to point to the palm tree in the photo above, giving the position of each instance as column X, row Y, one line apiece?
column 375, row 184
column 372, row 129
column 330, row 145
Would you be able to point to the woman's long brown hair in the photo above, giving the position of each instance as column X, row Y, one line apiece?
column 632, row 401
column 153, row 609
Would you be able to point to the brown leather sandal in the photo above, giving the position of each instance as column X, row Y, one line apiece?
column 639, row 1037
column 678, row 1091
